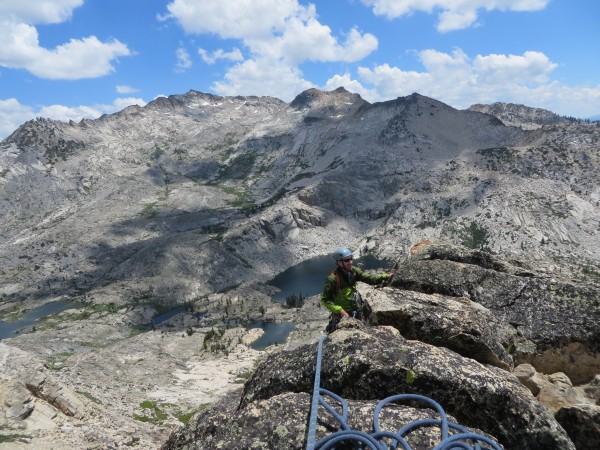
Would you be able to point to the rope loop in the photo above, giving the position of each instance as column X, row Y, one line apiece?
column 463, row 439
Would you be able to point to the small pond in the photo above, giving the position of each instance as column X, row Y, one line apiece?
column 163, row 317
column 308, row 277
column 275, row 333
column 9, row 328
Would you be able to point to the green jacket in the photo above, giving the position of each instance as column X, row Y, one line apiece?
column 335, row 300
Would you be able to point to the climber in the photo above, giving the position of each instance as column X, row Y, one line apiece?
column 339, row 294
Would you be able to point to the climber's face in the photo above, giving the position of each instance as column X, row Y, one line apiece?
column 346, row 263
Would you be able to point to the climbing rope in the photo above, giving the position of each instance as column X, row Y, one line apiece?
column 312, row 424
column 464, row 439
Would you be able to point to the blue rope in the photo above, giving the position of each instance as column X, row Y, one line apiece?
column 312, row 425
column 464, row 439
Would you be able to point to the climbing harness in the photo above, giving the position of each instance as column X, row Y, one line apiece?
column 376, row 440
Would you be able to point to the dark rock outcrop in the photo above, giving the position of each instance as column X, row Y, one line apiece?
column 593, row 389
column 582, row 422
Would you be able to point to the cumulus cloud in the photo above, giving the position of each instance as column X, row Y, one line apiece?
column 311, row 41
column 76, row 113
column 66, row 113
column 453, row 15
column 532, row 68
column 272, row 28
column 39, row 11
column 279, row 35
column 263, row 77
column 211, row 58
column 184, row 61
column 249, row 19
column 121, row 103
column 13, row 114
column 460, row 81
column 75, row 59
column 124, row 89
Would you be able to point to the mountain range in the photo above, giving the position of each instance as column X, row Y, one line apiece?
column 196, row 193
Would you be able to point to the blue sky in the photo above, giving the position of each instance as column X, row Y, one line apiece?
column 74, row 59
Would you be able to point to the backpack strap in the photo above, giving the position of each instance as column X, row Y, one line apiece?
column 337, row 280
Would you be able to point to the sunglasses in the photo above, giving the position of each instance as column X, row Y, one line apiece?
column 347, row 259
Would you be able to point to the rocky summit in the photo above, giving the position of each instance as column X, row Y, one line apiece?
column 194, row 202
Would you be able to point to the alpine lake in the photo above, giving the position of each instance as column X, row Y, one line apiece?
column 302, row 280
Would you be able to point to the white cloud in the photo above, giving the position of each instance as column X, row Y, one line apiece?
column 13, row 114
column 531, row 68
column 65, row 113
column 85, row 58
column 456, row 20
column 310, row 40
column 184, row 61
column 211, row 58
column 76, row 59
column 461, row 81
column 124, row 89
column 263, row 77
column 242, row 19
column 121, row 103
column 389, row 81
column 454, row 15
column 39, row 11
column 279, row 35
column 272, row 28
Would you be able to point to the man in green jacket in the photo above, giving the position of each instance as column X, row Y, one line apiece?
column 339, row 294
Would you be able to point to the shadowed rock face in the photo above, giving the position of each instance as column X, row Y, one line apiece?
column 582, row 422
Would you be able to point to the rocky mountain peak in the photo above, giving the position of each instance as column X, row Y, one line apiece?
column 194, row 102
column 520, row 115
column 321, row 103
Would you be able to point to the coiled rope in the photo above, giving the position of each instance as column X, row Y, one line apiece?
column 464, row 439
